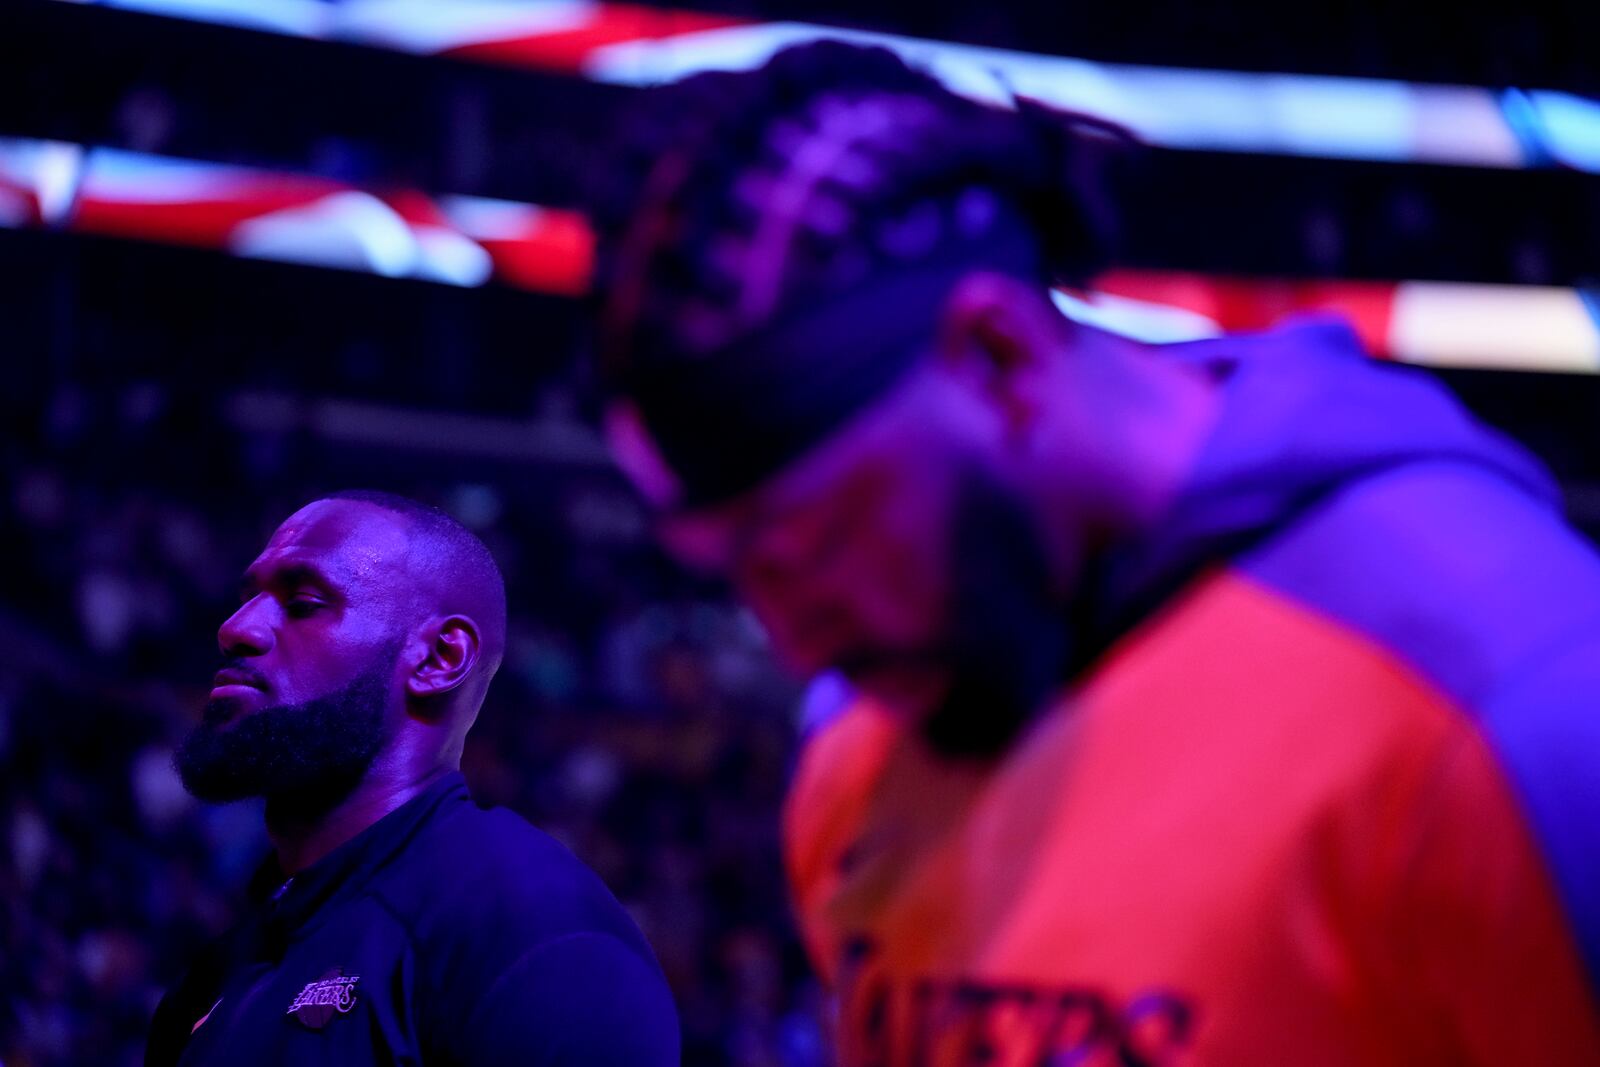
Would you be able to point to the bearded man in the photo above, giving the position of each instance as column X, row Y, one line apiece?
column 395, row 922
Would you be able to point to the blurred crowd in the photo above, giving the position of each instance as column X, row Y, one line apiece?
column 637, row 718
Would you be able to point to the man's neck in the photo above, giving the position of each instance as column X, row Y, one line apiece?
column 301, row 838
column 1157, row 422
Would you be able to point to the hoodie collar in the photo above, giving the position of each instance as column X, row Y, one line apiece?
column 1305, row 414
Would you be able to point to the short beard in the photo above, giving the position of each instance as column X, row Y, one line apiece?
column 1007, row 640
column 304, row 758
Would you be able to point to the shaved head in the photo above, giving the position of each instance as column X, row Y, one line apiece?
column 368, row 631
column 454, row 572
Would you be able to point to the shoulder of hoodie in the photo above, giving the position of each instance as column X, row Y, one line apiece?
column 1457, row 559
column 486, row 885
column 1458, row 570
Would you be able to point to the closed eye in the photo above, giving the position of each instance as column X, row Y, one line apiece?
column 300, row 607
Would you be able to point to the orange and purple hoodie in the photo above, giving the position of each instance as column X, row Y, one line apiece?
column 1329, row 794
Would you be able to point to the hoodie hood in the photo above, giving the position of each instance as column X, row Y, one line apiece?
column 1305, row 414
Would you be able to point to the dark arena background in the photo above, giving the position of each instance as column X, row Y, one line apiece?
column 254, row 250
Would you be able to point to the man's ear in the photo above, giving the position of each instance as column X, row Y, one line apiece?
column 992, row 332
column 453, row 647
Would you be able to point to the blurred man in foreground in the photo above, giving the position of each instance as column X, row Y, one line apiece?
column 1232, row 702
column 397, row 922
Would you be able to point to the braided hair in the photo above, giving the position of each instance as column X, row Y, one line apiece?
column 735, row 202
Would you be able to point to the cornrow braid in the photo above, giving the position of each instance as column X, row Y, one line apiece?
column 731, row 197
column 772, row 244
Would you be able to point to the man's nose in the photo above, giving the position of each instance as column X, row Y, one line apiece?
column 246, row 632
